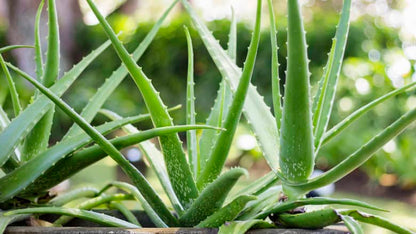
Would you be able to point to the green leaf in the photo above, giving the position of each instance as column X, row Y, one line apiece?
column 331, row 75
column 296, row 141
column 155, row 158
column 243, row 226
column 74, row 195
column 13, row 47
column 38, row 139
column 175, row 158
column 337, row 129
column 125, row 211
column 260, row 185
column 38, row 48
column 211, row 198
column 132, row 172
column 191, row 141
column 275, row 67
column 6, row 220
column 376, row 220
column 290, row 205
column 221, row 105
column 21, row 177
column 254, row 107
column 111, row 83
column 226, row 213
column 352, row 225
column 68, row 166
column 22, row 124
column 82, row 214
column 17, row 107
column 222, row 146
column 310, row 220
column 146, row 206
column 360, row 156
column 265, row 200
column 93, row 203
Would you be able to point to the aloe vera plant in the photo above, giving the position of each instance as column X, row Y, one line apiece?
column 195, row 184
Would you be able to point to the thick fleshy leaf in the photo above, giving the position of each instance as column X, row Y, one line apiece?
column 277, row 106
column 309, row 220
column 376, row 220
column 353, row 226
column 331, row 75
column 296, row 140
column 175, row 158
column 38, row 138
column 83, row 192
column 6, row 220
column 191, row 141
column 155, row 159
column 222, row 146
column 254, row 107
column 22, row 124
column 337, row 129
column 227, row 213
column 290, row 205
column 17, row 107
column 211, row 198
column 111, row 83
column 125, row 211
column 265, row 201
column 243, row 226
column 95, row 217
column 357, row 158
column 93, row 203
column 132, row 172
column 21, row 177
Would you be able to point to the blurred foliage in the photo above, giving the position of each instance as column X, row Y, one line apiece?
column 368, row 57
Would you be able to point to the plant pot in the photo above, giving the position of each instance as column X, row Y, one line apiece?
column 86, row 227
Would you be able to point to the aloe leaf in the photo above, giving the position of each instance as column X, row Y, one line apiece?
column 211, row 198
column 6, row 220
column 13, row 47
column 68, row 166
column 264, row 201
column 361, row 155
column 353, row 226
column 337, row 129
column 38, row 48
column 243, row 226
column 258, row 186
column 21, row 177
column 82, row 214
column 110, row 84
column 125, row 211
column 52, row 55
column 191, row 141
column 17, row 107
column 222, row 102
column 93, row 203
column 22, row 124
column 254, row 107
column 38, row 139
column 175, row 158
column 310, row 220
column 13, row 161
column 227, row 213
column 155, row 158
column 331, row 75
column 376, row 220
column 146, row 206
column 222, row 146
column 296, row 141
column 132, row 172
column 74, row 195
column 290, row 205
column 275, row 67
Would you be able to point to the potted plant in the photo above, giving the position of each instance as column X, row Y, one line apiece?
column 290, row 138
